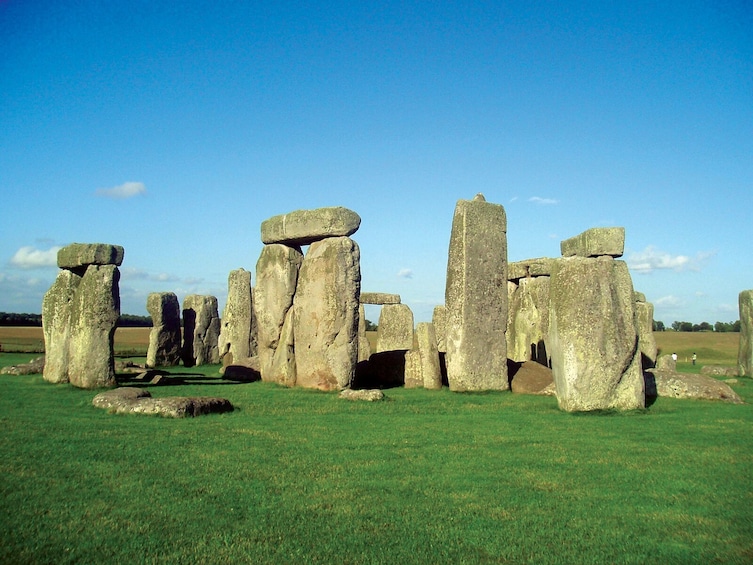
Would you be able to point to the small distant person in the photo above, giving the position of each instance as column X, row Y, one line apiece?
column 694, row 358
column 674, row 357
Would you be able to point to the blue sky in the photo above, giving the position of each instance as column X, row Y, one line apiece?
column 175, row 128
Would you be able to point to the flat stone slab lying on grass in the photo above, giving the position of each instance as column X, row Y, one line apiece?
column 33, row 367
column 672, row 384
column 131, row 400
column 369, row 395
column 719, row 371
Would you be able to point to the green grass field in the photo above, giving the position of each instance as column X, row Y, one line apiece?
column 299, row 476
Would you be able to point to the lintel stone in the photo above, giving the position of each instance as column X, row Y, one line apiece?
column 78, row 255
column 379, row 298
column 595, row 242
column 303, row 227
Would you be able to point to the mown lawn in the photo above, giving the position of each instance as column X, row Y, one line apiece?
column 297, row 476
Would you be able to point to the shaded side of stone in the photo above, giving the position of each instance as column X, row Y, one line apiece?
column 528, row 320
column 644, row 325
column 201, row 330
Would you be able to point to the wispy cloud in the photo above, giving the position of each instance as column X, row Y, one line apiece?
column 28, row 257
column 669, row 301
column 134, row 274
column 652, row 258
column 543, row 201
column 125, row 190
column 405, row 273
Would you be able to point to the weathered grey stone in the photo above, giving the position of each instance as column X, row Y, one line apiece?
column 429, row 356
column 531, row 378
column 644, row 325
column 439, row 319
column 303, row 227
column 237, row 327
column 665, row 362
column 379, row 298
column 539, row 267
column 276, row 279
column 528, row 320
column 164, row 337
column 33, row 367
column 364, row 347
column 129, row 400
column 672, row 384
column 282, row 370
column 745, row 350
column 476, row 298
column 414, row 377
column 78, row 255
column 94, row 316
column 592, row 337
column 719, row 371
column 201, row 330
column 595, row 242
column 364, row 394
column 395, row 330
column 639, row 296
column 56, row 325
column 325, row 320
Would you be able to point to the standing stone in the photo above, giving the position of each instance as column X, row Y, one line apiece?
column 476, row 297
column 164, row 337
column 56, row 325
column 276, row 279
column 326, row 314
column 429, row 356
column 414, row 377
column 395, row 330
column 592, row 337
column 745, row 350
column 303, row 227
column 201, row 330
column 94, row 317
column 528, row 320
column 439, row 319
column 364, row 347
column 282, row 370
column 644, row 325
column 237, row 324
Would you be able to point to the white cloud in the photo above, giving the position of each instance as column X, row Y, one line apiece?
column 125, row 190
column 543, row 201
column 405, row 274
column 652, row 258
column 668, row 302
column 134, row 274
column 30, row 258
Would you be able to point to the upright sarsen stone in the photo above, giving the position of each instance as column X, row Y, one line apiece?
column 745, row 350
column 276, row 278
column 201, row 330
column 476, row 297
column 57, row 307
column 395, row 329
column 593, row 341
column 326, row 314
column 644, row 325
column 237, row 325
column 164, row 337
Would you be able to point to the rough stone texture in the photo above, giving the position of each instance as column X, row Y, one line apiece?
column 665, row 362
column 595, row 242
column 414, row 377
column 304, row 227
column 276, row 279
column 439, row 319
column 129, row 400
column 379, row 298
column 56, row 325
column 282, row 370
column 325, row 321
column 745, row 350
column 80, row 255
column 364, row 347
column 237, row 324
column 719, row 371
column 539, row 267
column 476, row 298
column 592, row 337
column 644, row 325
column 528, row 320
column 429, row 356
column 94, row 315
column 531, row 378
column 33, row 367
column 164, row 337
column 365, row 394
column 201, row 330
column 672, row 384
column 395, row 330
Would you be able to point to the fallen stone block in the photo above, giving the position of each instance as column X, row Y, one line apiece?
column 369, row 395
column 671, row 384
column 719, row 371
column 130, row 400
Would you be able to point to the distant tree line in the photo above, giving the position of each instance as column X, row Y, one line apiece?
column 702, row 327
column 35, row 320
